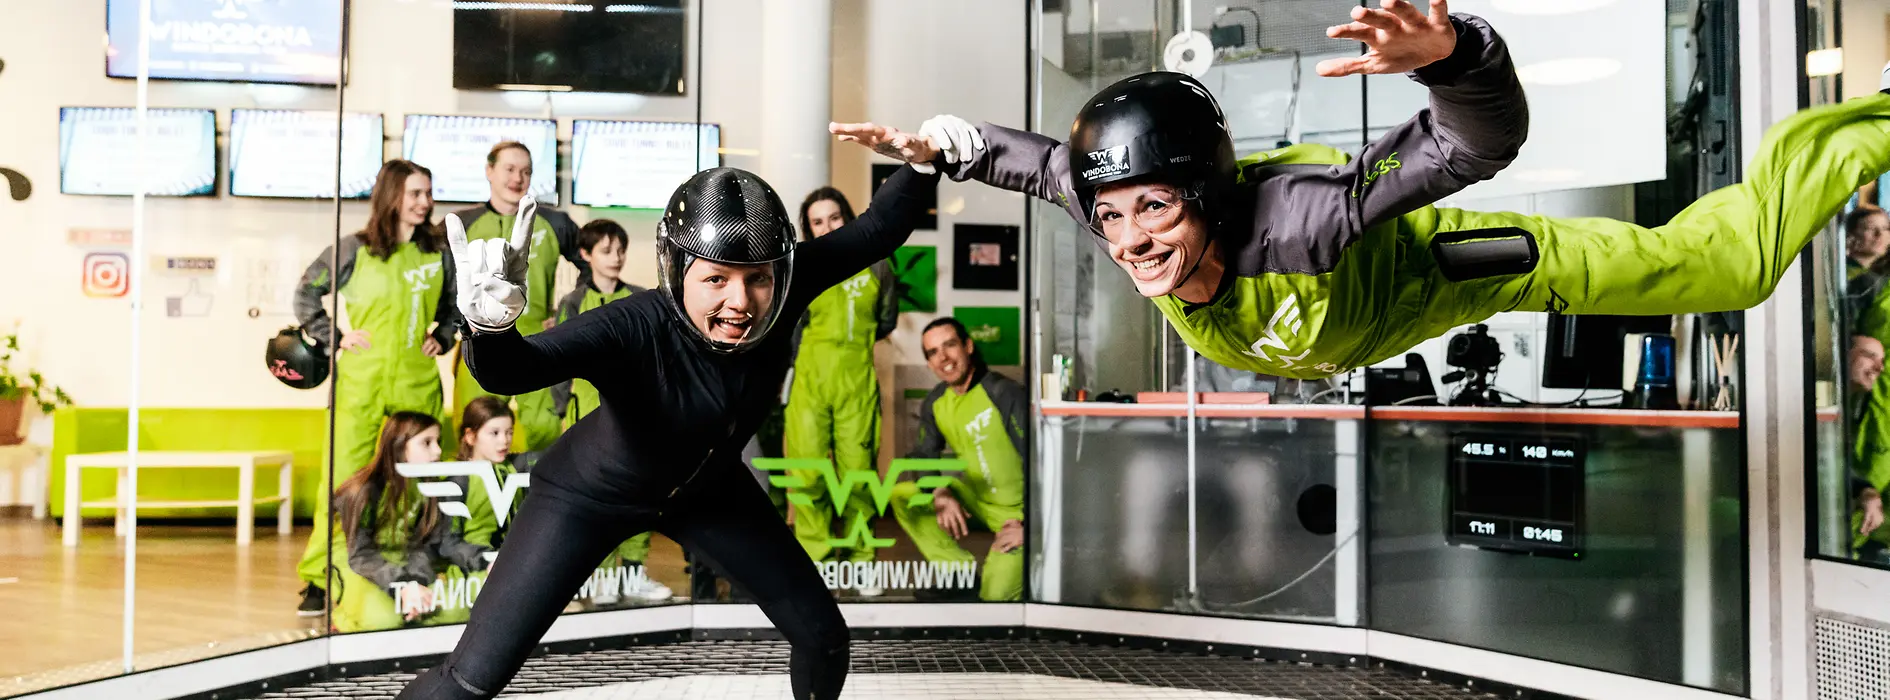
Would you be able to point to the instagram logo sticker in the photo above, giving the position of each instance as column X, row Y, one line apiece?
column 107, row 275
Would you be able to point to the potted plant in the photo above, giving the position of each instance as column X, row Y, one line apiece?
column 15, row 392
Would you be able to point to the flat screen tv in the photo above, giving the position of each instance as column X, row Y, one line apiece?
column 455, row 148
column 98, row 151
column 291, row 153
column 247, row 41
column 570, row 46
column 638, row 164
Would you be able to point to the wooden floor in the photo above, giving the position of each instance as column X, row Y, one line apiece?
column 198, row 596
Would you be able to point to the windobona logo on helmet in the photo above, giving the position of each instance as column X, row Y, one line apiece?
column 1107, row 162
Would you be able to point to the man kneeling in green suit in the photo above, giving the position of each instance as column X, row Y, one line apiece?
column 980, row 415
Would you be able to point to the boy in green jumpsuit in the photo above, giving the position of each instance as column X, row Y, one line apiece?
column 980, row 414
column 554, row 235
column 833, row 398
column 387, row 361
column 1306, row 263
column 601, row 243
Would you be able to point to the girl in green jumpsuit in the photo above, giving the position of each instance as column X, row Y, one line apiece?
column 601, row 243
column 554, row 236
column 392, row 281
column 833, row 397
column 398, row 541
column 1307, row 263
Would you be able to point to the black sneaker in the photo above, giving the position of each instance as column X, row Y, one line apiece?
column 314, row 602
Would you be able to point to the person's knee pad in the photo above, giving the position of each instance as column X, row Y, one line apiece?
column 1480, row 253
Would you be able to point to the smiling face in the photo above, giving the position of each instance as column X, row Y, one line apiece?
column 416, row 200
column 727, row 302
column 1153, row 234
column 510, row 176
column 948, row 355
column 823, row 217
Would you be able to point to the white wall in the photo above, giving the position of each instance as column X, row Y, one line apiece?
column 1866, row 31
column 400, row 63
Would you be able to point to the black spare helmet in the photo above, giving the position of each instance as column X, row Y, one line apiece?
column 295, row 361
column 729, row 216
column 1162, row 124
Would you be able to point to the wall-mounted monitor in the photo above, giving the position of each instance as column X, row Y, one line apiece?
column 291, row 153
column 99, row 148
column 455, row 148
column 638, row 164
column 246, row 41
column 573, row 45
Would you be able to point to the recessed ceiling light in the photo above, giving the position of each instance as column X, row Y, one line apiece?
column 1568, row 71
column 1549, row 7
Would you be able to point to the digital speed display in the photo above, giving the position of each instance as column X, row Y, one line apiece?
column 1517, row 493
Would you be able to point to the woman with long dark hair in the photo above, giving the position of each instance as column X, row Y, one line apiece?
column 833, row 403
column 397, row 540
column 685, row 373
column 393, row 276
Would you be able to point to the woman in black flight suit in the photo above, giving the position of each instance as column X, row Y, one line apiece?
column 685, row 373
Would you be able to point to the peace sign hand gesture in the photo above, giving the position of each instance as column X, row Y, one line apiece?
column 1401, row 39
column 491, row 272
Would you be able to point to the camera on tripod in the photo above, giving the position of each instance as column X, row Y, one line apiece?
column 1476, row 354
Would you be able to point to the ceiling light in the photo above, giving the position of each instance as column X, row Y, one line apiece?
column 1824, row 62
column 1568, row 71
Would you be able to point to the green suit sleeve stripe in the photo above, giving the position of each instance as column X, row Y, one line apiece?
column 931, row 443
column 1013, row 405
column 567, row 232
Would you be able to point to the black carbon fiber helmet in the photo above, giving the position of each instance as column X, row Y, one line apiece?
column 729, row 216
column 1162, row 124
column 295, row 361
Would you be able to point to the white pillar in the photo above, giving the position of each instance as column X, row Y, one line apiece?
column 796, row 96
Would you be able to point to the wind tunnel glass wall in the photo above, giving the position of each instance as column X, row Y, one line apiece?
column 148, row 313
column 1845, row 329
column 431, row 469
column 1227, row 492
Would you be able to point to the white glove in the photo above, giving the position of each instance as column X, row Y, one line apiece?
column 491, row 272
column 956, row 138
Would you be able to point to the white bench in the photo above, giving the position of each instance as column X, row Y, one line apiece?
column 245, row 462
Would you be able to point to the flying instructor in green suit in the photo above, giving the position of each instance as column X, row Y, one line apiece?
column 1306, row 263
column 833, row 397
column 981, row 416
column 554, row 235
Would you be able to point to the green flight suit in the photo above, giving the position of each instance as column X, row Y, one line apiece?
column 985, row 428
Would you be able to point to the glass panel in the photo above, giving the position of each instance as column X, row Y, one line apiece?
column 1655, row 590
column 1845, row 331
column 230, row 448
column 66, row 323
column 471, row 130
column 1571, row 487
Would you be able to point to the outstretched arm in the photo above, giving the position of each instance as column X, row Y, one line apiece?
column 1475, row 126
column 491, row 278
column 506, row 362
column 885, row 225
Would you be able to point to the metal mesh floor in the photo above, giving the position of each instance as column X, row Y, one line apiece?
column 1152, row 669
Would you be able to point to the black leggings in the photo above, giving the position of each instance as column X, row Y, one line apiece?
column 557, row 541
